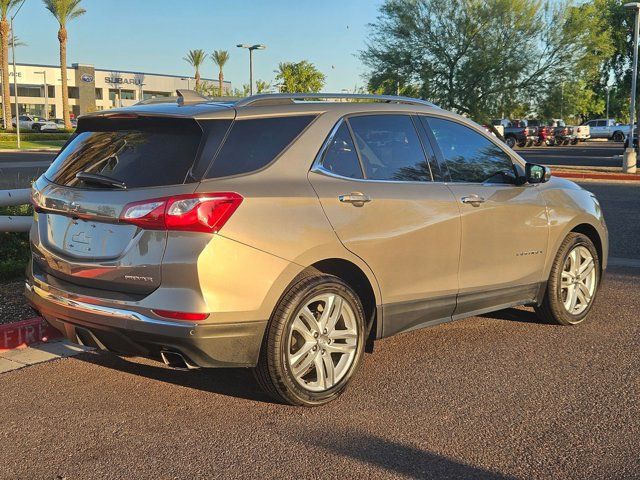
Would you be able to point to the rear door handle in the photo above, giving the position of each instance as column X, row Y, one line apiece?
column 357, row 199
column 474, row 200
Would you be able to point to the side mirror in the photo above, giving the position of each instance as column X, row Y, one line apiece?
column 537, row 173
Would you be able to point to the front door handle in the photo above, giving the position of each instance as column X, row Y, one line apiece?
column 357, row 199
column 474, row 200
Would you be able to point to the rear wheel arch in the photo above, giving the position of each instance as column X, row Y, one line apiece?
column 358, row 280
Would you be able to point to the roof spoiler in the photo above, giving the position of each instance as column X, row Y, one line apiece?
column 190, row 97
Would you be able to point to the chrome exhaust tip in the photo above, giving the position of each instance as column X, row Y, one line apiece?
column 176, row 360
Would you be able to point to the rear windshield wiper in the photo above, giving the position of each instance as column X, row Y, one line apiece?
column 100, row 180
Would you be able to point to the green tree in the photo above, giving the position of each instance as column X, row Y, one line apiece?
column 5, row 32
column 299, row 77
column 220, row 58
column 196, row 58
column 262, row 86
column 473, row 56
column 64, row 11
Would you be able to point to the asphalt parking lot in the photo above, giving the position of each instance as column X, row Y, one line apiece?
column 497, row 396
column 590, row 154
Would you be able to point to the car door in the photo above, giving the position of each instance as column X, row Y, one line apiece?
column 504, row 225
column 375, row 180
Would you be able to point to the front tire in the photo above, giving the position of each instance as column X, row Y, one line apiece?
column 573, row 282
column 314, row 342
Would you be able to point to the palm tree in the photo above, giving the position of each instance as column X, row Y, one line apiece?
column 262, row 86
column 195, row 58
column 63, row 11
column 5, row 31
column 220, row 58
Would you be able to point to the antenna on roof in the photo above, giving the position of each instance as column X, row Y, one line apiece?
column 190, row 97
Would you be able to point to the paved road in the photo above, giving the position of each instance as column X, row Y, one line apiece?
column 592, row 154
column 498, row 396
column 494, row 397
column 18, row 169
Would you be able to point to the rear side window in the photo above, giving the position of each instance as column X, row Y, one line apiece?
column 138, row 153
column 253, row 144
column 341, row 157
column 390, row 148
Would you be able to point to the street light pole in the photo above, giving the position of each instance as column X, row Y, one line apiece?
column 630, row 157
column 15, row 76
column 251, row 48
column 46, row 94
column 608, row 88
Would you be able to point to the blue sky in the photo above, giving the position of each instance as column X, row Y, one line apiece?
column 153, row 35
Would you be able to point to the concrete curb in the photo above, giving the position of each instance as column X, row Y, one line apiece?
column 38, row 353
column 617, row 177
column 25, row 333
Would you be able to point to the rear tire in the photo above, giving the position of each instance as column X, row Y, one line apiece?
column 510, row 141
column 573, row 282
column 618, row 137
column 314, row 342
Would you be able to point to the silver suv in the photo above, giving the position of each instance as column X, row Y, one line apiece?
column 287, row 232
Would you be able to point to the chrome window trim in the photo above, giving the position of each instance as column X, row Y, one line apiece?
column 317, row 167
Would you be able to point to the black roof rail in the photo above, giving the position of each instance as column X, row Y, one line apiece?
column 287, row 98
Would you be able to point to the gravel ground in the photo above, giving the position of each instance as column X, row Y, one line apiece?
column 13, row 306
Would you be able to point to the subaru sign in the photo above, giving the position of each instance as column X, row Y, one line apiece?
column 87, row 78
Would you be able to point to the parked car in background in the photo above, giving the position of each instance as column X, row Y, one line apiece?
column 581, row 133
column 60, row 123
column 288, row 235
column 607, row 128
column 35, row 124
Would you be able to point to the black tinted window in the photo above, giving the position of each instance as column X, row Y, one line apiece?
column 470, row 156
column 214, row 132
column 390, row 148
column 341, row 157
column 253, row 144
column 141, row 154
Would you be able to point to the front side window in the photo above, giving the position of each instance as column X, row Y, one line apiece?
column 470, row 156
column 255, row 143
column 341, row 157
column 390, row 148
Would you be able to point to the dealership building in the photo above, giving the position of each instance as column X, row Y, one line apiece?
column 90, row 89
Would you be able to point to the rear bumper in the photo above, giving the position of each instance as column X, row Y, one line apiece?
column 126, row 331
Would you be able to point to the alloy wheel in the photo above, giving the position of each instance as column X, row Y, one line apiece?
column 322, row 342
column 578, row 283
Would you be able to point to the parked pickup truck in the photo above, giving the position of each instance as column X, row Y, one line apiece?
column 607, row 128
column 517, row 132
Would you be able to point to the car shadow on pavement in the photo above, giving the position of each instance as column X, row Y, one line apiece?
column 234, row 382
column 397, row 458
column 514, row 315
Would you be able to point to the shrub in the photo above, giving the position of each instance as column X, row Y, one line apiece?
column 14, row 247
column 34, row 137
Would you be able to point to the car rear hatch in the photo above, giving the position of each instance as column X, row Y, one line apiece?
column 90, row 204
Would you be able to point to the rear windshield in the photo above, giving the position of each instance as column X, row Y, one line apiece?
column 145, row 153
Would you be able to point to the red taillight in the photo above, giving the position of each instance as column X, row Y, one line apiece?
column 181, row 315
column 200, row 212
